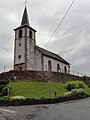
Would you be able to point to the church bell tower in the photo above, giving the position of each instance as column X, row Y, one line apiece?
column 24, row 45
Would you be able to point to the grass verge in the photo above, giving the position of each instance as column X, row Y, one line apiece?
column 37, row 89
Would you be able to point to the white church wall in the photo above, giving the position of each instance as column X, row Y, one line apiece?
column 20, row 50
column 30, row 54
column 54, row 64
column 37, row 60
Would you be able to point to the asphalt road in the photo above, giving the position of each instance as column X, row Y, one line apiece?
column 72, row 110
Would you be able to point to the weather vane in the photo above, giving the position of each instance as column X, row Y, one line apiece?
column 25, row 2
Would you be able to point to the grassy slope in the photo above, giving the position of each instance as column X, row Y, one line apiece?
column 39, row 89
column 36, row 89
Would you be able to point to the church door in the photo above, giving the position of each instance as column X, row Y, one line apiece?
column 19, row 68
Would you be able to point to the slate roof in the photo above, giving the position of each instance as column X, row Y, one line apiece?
column 52, row 55
column 23, row 26
column 25, row 20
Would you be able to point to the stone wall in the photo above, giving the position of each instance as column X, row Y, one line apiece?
column 36, row 76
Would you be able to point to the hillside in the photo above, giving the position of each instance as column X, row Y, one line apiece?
column 37, row 89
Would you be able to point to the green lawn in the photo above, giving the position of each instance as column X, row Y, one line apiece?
column 37, row 89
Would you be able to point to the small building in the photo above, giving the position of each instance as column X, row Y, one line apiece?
column 29, row 56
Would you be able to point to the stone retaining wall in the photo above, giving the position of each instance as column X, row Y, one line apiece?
column 37, row 76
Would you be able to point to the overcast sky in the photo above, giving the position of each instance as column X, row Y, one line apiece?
column 71, row 41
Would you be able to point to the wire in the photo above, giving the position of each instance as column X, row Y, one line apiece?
column 60, row 23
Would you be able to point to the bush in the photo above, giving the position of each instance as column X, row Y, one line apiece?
column 4, row 82
column 1, row 95
column 78, row 91
column 4, row 98
column 80, row 84
column 68, row 94
column 1, row 87
column 89, row 85
column 5, row 91
column 84, row 77
column 75, row 92
column 17, row 98
column 42, row 98
column 71, row 85
column 75, row 85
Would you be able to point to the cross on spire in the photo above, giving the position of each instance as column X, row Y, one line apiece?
column 25, row 2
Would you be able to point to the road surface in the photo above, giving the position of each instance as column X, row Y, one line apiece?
column 72, row 110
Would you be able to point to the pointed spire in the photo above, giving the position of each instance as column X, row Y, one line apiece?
column 25, row 20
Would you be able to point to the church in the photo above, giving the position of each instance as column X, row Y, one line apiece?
column 29, row 56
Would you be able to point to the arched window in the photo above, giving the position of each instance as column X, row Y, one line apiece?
column 65, row 69
column 58, row 68
column 30, row 34
column 20, row 33
column 49, row 66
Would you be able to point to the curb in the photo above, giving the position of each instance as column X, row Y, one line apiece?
column 41, row 101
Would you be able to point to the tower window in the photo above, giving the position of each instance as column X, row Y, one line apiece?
column 19, row 44
column 19, row 57
column 20, row 33
column 30, row 34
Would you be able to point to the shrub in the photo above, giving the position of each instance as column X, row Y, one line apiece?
column 4, row 98
column 5, row 91
column 75, row 85
column 0, row 94
column 4, row 82
column 71, row 85
column 80, row 84
column 1, row 87
column 78, row 91
column 42, row 98
column 17, row 98
column 89, row 85
column 84, row 77
column 68, row 94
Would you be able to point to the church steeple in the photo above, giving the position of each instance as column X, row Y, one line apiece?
column 25, row 40
column 25, row 20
